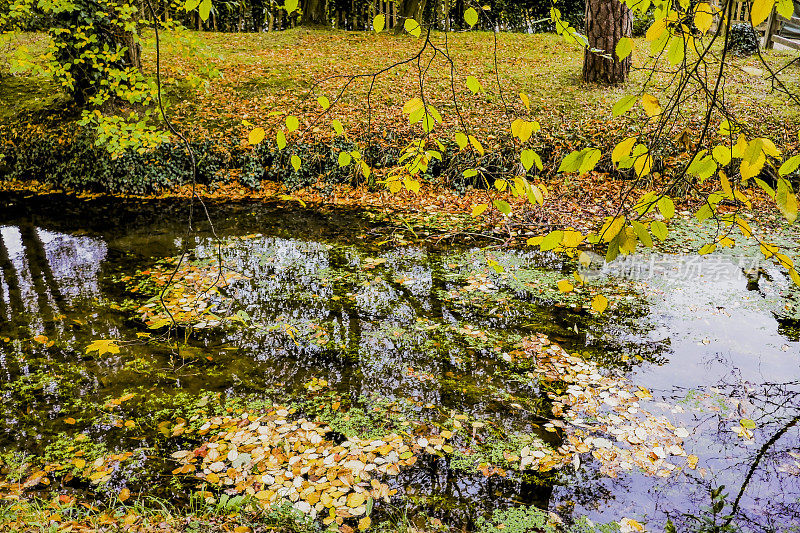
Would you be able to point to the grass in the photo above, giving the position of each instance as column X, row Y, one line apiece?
column 286, row 71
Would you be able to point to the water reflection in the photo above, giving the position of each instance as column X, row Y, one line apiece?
column 382, row 323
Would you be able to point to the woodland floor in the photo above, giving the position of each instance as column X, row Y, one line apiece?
column 220, row 84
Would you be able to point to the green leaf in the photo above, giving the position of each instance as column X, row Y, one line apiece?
column 280, row 139
column 572, row 162
column 337, row 126
column 296, row 162
column 666, row 206
column 747, row 423
column 378, row 23
column 324, row 102
column 642, row 233
column 704, row 213
column 344, row 159
column 676, row 51
column 551, row 240
column 290, row 6
column 789, row 166
column 503, row 207
column 624, row 105
column 528, row 159
column 471, row 17
column 659, row 229
column 624, row 48
column 474, row 85
column 769, row 190
column 590, row 159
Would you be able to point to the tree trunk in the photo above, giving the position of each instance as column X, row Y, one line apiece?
column 607, row 21
column 410, row 9
column 257, row 12
column 314, row 13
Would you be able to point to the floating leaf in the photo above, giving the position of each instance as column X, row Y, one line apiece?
column 103, row 346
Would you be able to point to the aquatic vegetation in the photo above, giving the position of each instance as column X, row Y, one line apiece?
column 193, row 293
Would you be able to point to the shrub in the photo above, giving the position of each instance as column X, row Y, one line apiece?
column 743, row 39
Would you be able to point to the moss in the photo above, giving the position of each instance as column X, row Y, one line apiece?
column 30, row 98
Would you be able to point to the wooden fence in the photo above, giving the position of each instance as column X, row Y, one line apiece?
column 770, row 29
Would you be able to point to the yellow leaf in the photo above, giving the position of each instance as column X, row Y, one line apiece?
column 365, row 523
column 622, row 150
column 478, row 209
column 599, row 303
column 292, row 123
column 525, row 100
column 651, row 105
column 572, row 239
column 703, row 16
column 124, row 494
column 355, row 499
column 71, row 421
column 378, row 23
column 41, row 339
column 256, row 136
column 643, row 164
column 103, row 346
column 476, row 144
column 760, row 11
column 79, row 463
column 415, row 104
column 565, row 286
column 656, row 29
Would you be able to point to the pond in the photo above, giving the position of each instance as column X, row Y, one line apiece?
column 441, row 382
